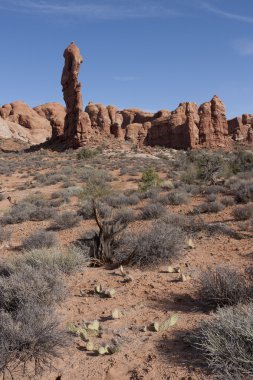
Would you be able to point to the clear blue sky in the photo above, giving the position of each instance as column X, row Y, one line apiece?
column 150, row 54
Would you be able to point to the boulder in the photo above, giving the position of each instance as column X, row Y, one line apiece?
column 13, row 131
column 21, row 114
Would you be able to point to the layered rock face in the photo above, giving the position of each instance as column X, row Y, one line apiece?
column 77, row 126
column 25, row 123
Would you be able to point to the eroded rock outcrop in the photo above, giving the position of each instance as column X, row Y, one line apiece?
column 213, row 127
column 55, row 113
column 36, row 130
column 241, row 128
column 77, row 128
column 190, row 126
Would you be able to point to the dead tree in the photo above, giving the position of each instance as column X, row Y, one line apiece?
column 102, row 243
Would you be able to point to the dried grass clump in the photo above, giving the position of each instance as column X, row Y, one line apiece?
column 223, row 286
column 226, row 342
column 161, row 244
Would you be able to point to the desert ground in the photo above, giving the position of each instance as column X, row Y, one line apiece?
column 203, row 198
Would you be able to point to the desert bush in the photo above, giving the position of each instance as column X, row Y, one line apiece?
column 4, row 234
column 49, row 178
column 63, row 259
column 242, row 161
column 87, row 211
column 211, row 197
column 32, row 336
column 121, row 200
column 160, row 244
column 243, row 212
column 86, row 153
column 204, row 166
column 96, row 187
column 214, row 189
column 227, row 201
column 223, row 286
column 226, row 342
column 125, row 215
column 152, row 211
column 209, row 207
column 31, row 208
column 66, row 219
column 149, row 179
column 244, row 193
column 177, row 198
column 39, row 239
column 27, row 285
column 2, row 196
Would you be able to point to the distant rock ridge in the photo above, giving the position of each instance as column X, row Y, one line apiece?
column 189, row 126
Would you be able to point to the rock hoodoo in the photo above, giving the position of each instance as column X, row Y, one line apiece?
column 77, row 124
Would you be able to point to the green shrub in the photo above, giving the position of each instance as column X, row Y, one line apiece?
column 86, row 153
column 149, row 179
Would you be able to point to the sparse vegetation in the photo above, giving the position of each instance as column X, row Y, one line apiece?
column 66, row 219
column 39, row 239
column 149, row 179
column 223, row 286
column 226, row 342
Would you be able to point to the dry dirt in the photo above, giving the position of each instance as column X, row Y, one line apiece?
column 153, row 295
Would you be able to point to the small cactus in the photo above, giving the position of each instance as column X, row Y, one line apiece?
column 83, row 333
column 98, row 289
column 72, row 328
column 93, row 326
column 190, row 244
column 110, row 293
column 102, row 350
column 90, row 346
column 169, row 323
column 116, row 314
column 157, row 326
column 173, row 269
column 184, row 278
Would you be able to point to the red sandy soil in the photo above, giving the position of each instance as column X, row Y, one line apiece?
column 153, row 295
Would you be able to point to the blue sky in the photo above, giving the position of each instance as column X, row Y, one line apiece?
column 150, row 54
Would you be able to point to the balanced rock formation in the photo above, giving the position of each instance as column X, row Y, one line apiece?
column 77, row 128
column 35, row 129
